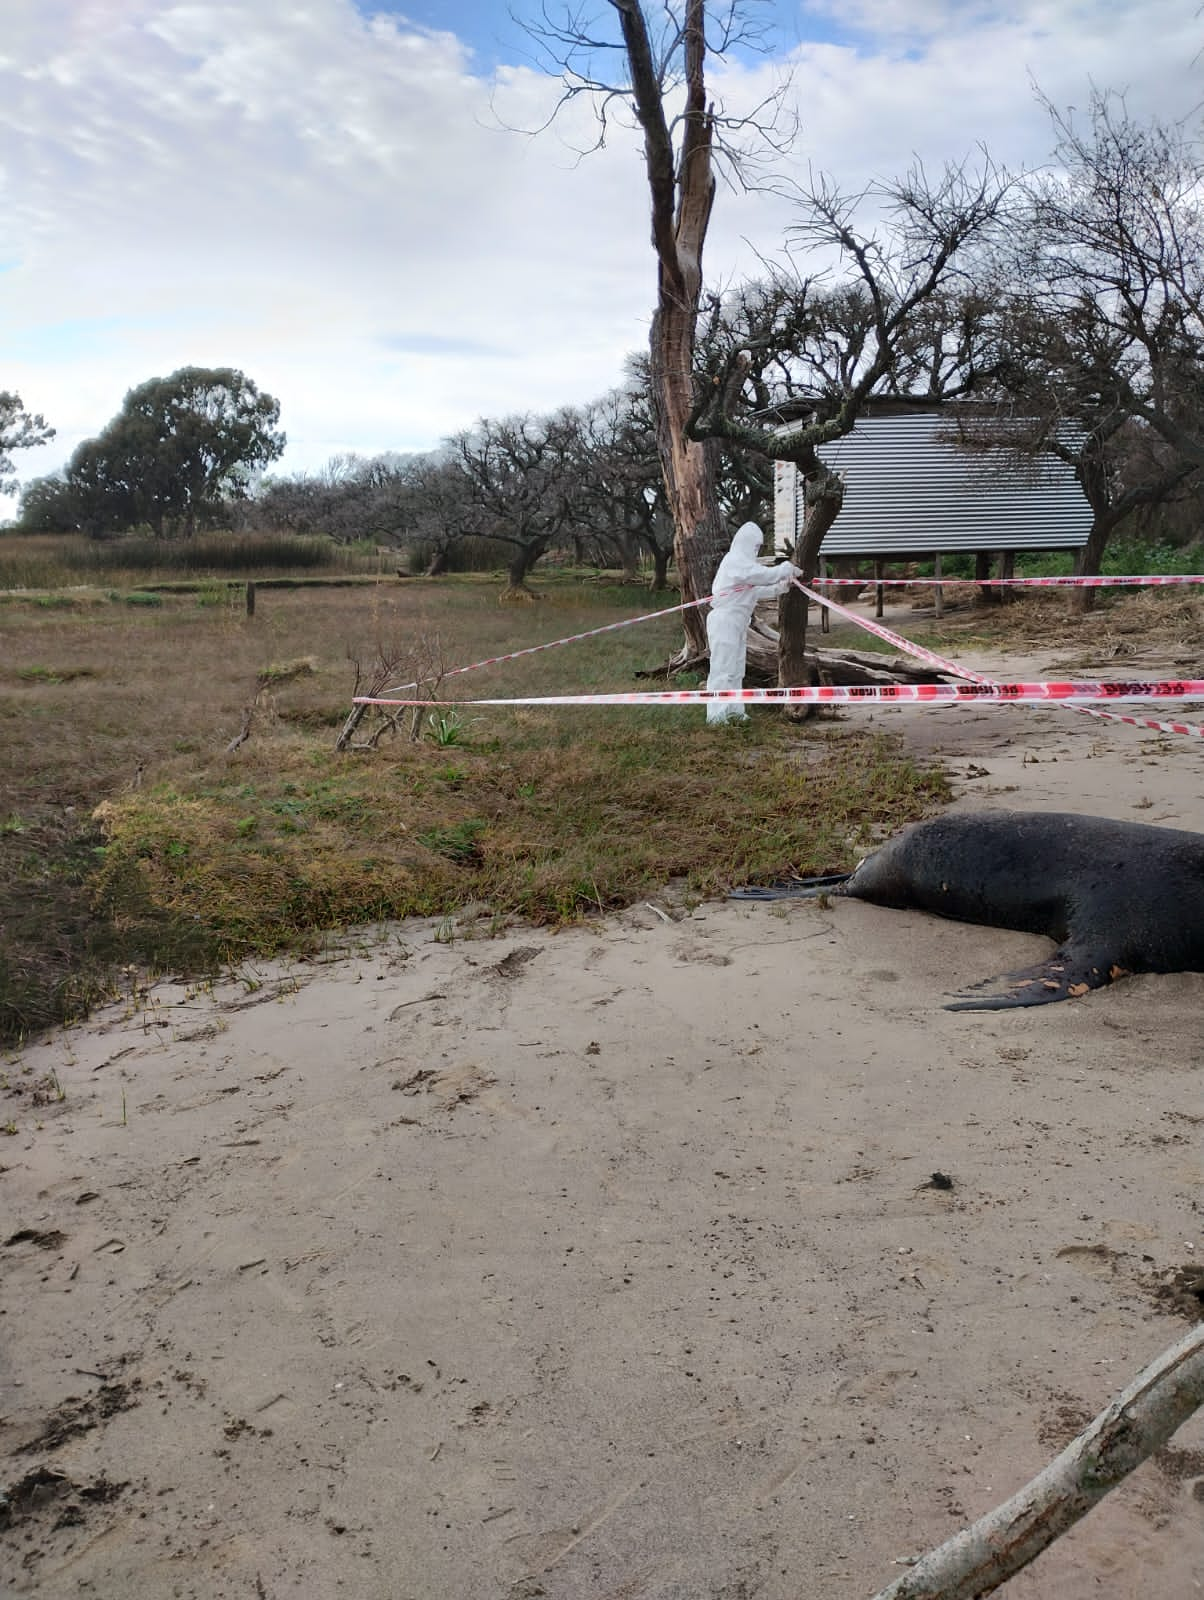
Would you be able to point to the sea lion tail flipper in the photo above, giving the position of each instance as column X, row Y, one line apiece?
column 791, row 888
column 1065, row 975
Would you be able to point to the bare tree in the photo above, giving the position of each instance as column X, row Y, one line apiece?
column 1061, row 389
column 1098, row 326
column 1115, row 231
column 352, row 498
column 801, row 358
column 523, row 485
column 624, row 507
column 439, row 508
column 665, row 52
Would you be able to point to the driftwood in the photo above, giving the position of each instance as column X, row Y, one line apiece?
column 831, row 666
column 825, row 666
column 1139, row 1421
column 266, row 682
column 244, row 732
column 849, row 666
column 393, row 659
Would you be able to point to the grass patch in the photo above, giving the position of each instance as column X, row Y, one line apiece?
column 40, row 674
column 548, row 823
column 48, row 561
column 135, row 837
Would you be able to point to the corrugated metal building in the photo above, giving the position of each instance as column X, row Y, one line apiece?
column 912, row 492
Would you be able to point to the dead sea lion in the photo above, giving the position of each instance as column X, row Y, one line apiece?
column 1118, row 897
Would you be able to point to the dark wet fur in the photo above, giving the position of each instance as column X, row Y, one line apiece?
column 1117, row 897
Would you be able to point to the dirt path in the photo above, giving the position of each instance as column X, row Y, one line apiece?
column 610, row 1263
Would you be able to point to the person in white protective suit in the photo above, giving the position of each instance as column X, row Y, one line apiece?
column 740, row 583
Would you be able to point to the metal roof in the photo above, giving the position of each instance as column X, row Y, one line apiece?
column 911, row 490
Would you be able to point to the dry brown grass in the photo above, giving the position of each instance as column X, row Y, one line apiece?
column 1168, row 622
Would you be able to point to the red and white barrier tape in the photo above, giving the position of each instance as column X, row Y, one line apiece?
column 1050, row 691
column 1152, row 582
column 977, row 686
column 896, row 639
column 958, row 671
column 669, row 611
column 572, row 638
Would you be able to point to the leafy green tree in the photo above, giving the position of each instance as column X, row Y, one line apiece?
column 178, row 447
column 19, row 430
column 49, row 505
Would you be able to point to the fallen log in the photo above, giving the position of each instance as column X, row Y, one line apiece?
column 829, row 666
column 1139, row 1421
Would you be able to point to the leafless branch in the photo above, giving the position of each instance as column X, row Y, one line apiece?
column 1139, row 1421
column 379, row 676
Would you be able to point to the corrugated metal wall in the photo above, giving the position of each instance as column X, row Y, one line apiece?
column 910, row 492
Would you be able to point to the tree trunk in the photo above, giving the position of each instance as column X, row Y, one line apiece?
column 700, row 532
column 629, row 557
column 982, row 576
column 1090, row 559
column 1092, row 473
column 524, row 558
column 682, row 191
column 660, row 569
column 437, row 565
column 823, row 497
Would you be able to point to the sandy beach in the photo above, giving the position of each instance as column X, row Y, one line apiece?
column 609, row 1263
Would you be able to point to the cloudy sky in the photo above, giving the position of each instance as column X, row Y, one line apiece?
column 332, row 194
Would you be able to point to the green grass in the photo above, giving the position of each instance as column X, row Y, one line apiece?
column 546, row 819
column 40, row 674
column 1127, row 554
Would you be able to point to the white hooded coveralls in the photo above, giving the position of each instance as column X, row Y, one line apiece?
column 740, row 583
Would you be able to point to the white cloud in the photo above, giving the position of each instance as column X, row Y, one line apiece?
column 330, row 202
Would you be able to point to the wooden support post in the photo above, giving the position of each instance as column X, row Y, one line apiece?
column 1007, row 569
column 825, row 616
column 982, row 574
column 938, row 590
column 250, row 599
column 878, row 589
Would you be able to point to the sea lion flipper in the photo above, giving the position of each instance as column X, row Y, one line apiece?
column 1065, row 975
column 792, row 888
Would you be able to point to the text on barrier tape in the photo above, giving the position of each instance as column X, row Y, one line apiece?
column 832, row 693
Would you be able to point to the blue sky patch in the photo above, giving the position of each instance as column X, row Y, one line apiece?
column 496, row 38
column 73, row 338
